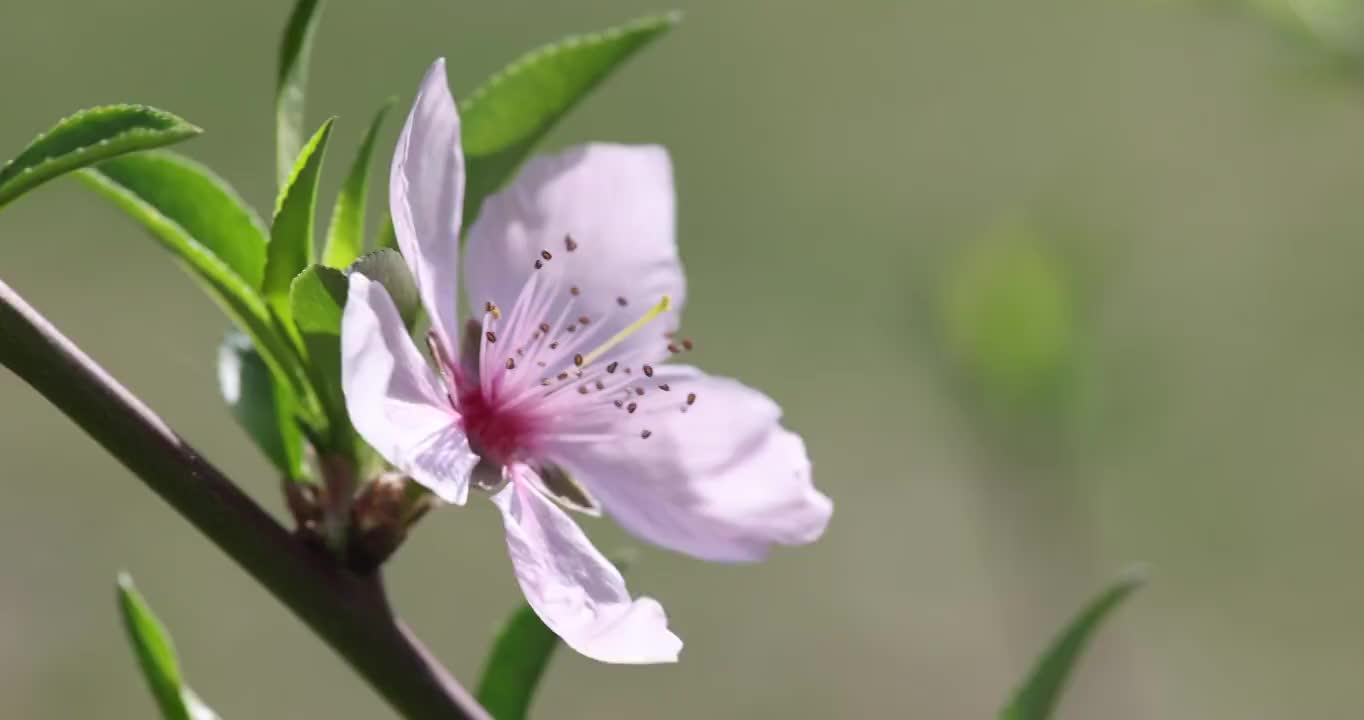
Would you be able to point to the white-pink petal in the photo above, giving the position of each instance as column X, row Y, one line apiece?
column 395, row 401
column 723, row 481
column 617, row 204
column 426, row 201
column 574, row 590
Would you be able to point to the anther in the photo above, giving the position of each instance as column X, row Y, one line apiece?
column 511, row 364
column 664, row 387
column 570, row 243
column 583, row 319
column 491, row 307
column 673, row 348
column 687, row 344
column 621, row 301
column 571, row 328
column 620, row 403
column 648, row 371
column 600, row 385
column 544, row 327
column 563, row 376
column 612, row 367
column 631, row 407
column 545, row 254
column 539, row 264
column 645, row 433
column 574, row 291
column 639, row 391
column 492, row 336
column 582, row 389
column 578, row 360
column 691, row 398
column 554, row 346
column 541, row 363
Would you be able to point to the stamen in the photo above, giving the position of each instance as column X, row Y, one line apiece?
column 616, row 339
column 619, row 403
column 545, row 254
column 582, row 389
column 544, row 327
column 583, row 319
column 631, row 408
column 612, row 367
column 570, row 243
column 645, row 433
column 539, row 264
column 554, row 345
column 648, row 371
column 639, row 391
column 691, row 398
column 621, row 302
column 664, row 387
column 601, row 385
column 511, row 364
column 574, row 291
column 673, row 348
column 492, row 336
column 563, row 376
column 687, row 344
column 491, row 307
column 578, row 360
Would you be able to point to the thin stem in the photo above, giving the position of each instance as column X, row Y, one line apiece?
column 349, row 611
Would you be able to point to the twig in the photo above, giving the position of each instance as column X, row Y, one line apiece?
column 349, row 611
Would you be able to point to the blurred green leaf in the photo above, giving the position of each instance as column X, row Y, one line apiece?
column 503, row 119
column 195, row 214
column 1010, row 320
column 386, row 267
column 291, row 233
column 386, row 238
column 86, row 138
column 316, row 298
column 346, row 234
column 156, row 656
column 264, row 408
column 1335, row 27
column 295, row 50
column 515, row 665
column 1037, row 698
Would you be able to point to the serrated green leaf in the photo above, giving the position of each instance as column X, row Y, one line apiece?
column 503, row 119
column 1037, row 698
column 295, row 50
column 317, row 298
column 265, row 408
column 386, row 267
column 156, row 657
column 174, row 198
column 515, row 665
column 346, row 234
column 86, row 138
column 291, row 233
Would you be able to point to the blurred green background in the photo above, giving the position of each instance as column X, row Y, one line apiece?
column 1048, row 287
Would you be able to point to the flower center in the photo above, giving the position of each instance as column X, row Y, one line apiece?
column 495, row 432
column 545, row 374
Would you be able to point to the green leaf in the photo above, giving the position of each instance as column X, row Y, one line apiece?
column 295, row 49
column 291, row 233
column 387, row 238
column 515, row 665
column 265, row 408
column 193, row 214
column 317, row 298
column 86, row 138
column 1037, row 698
column 386, row 267
column 156, row 656
column 504, row 119
column 346, row 235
